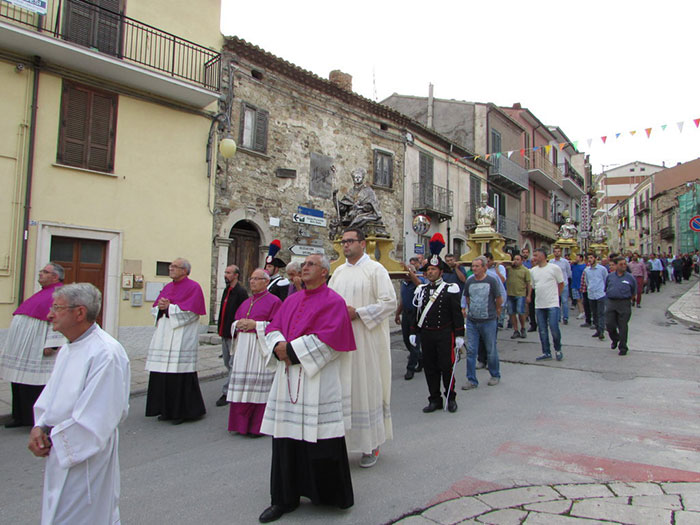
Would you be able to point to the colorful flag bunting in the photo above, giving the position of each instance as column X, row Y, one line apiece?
column 522, row 152
column 697, row 122
column 497, row 155
column 680, row 126
column 604, row 138
column 561, row 145
column 486, row 157
column 589, row 141
column 476, row 157
column 663, row 127
column 575, row 144
column 510, row 153
column 535, row 148
column 617, row 135
column 547, row 149
column 648, row 132
column 632, row 133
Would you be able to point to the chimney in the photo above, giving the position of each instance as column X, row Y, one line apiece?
column 340, row 79
column 517, row 105
column 430, row 105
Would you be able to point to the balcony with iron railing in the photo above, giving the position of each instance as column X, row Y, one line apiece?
column 509, row 228
column 509, row 174
column 88, row 38
column 641, row 207
column 544, row 173
column 540, row 227
column 667, row 232
column 433, row 200
column 572, row 182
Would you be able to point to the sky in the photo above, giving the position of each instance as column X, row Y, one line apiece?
column 595, row 68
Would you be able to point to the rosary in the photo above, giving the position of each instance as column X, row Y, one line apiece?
column 289, row 387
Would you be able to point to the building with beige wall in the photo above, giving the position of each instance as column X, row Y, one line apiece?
column 107, row 113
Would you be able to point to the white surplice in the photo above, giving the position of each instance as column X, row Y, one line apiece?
column 86, row 397
column 23, row 360
column 306, row 400
column 367, row 287
column 175, row 343
column 250, row 379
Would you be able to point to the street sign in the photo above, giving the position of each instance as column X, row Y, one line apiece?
column 308, row 219
column 302, row 249
column 309, row 241
column 418, row 249
column 310, row 211
column 695, row 223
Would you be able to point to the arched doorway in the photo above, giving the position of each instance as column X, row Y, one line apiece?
column 244, row 250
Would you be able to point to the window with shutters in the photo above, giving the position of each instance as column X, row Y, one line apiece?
column 425, row 179
column 96, row 24
column 88, row 128
column 253, row 134
column 383, row 168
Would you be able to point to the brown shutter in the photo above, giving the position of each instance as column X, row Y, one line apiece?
column 78, row 23
column 74, row 128
column 260, row 139
column 108, row 26
column 101, row 140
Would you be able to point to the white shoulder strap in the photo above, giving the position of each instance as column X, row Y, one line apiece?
column 431, row 301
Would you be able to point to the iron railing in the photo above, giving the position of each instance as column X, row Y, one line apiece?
column 543, row 164
column 432, row 198
column 570, row 173
column 536, row 224
column 667, row 232
column 509, row 228
column 506, row 168
column 115, row 34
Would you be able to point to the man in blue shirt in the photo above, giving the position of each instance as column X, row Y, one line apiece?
column 406, row 316
column 595, row 276
column 621, row 290
column 576, row 272
column 655, row 274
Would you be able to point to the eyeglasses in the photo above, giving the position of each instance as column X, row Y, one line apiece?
column 55, row 307
column 348, row 241
column 176, row 266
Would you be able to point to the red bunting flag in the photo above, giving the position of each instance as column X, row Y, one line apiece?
column 648, row 132
column 604, row 138
column 697, row 122
column 522, row 152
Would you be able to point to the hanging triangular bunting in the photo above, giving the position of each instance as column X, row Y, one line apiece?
column 697, row 122
column 617, row 135
column 561, row 145
column 535, row 148
column 604, row 138
column 522, row 152
column 680, row 126
column 476, row 157
column 486, row 157
column 589, row 141
column 632, row 133
column 648, row 131
column 663, row 127
column 509, row 154
column 547, row 149
column 575, row 144
column 497, row 155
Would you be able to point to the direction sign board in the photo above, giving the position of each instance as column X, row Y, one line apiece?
column 308, row 219
column 309, row 241
column 695, row 223
column 302, row 249
column 418, row 249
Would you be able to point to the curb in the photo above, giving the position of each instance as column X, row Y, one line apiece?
column 675, row 311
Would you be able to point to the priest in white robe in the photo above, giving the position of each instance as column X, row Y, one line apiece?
column 78, row 412
column 30, row 352
column 304, row 412
column 371, row 300
column 173, row 387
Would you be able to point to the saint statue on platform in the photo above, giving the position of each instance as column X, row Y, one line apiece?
column 485, row 216
column 568, row 230
column 358, row 209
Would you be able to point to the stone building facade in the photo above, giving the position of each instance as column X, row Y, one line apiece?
column 299, row 138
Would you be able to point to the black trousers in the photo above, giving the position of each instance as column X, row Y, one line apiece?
column 408, row 319
column 586, row 308
column 438, row 358
column 23, row 399
column 532, row 315
column 617, row 316
column 655, row 281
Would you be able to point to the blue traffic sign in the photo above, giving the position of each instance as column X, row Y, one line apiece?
column 695, row 223
column 310, row 211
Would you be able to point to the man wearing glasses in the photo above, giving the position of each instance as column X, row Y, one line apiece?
column 366, row 287
column 173, row 386
column 29, row 355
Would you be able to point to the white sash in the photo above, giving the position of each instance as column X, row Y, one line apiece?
column 431, row 301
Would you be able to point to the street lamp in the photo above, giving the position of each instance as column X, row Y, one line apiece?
column 227, row 147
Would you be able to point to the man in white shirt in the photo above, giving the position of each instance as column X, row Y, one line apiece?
column 548, row 283
column 77, row 414
column 565, row 267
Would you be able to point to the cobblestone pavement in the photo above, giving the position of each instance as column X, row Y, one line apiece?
column 614, row 502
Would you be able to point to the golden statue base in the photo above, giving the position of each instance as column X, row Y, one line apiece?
column 479, row 243
column 379, row 249
column 600, row 249
column 568, row 247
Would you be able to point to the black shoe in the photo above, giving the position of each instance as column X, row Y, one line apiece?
column 432, row 407
column 601, row 337
column 452, row 405
column 596, row 334
column 622, row 352
column 516, row 335
column 585, row 325
column 177, row 421
column 409, row 374
column 531, row 329
column 163, row 418
column 419, row 369
column 221, row 401
column 274, row 512
column 613, row 345
column 566, row 321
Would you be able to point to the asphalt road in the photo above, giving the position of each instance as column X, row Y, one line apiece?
column 593, row 416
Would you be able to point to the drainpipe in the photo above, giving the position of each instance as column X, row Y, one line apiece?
column 28, row 187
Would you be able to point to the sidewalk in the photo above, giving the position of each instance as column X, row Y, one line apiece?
column 687, row 308
column 611, row 502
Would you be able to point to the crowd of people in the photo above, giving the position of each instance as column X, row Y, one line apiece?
column 308, row 357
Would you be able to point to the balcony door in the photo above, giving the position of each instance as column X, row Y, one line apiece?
column 96, row 25
column 425, row 180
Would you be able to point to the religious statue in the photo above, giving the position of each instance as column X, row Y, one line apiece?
column 599, row 235
column 568, row 230
column 358, row 209
column 485, row 216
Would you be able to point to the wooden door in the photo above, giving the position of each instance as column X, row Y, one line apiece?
column 83, row 260
column 244, row 250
